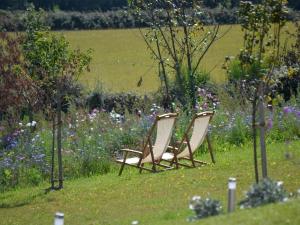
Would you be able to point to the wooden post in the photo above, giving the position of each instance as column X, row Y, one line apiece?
column 59, row 128
column 262, row 138
column 53, row 153
column 254, row 139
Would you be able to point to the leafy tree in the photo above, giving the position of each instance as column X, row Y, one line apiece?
column 55, row 69
column 178, row 40
column 255, row 77
column 77, row 5
column 17, row 89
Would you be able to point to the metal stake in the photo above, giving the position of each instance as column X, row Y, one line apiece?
column 231, row 194
column 59, row 218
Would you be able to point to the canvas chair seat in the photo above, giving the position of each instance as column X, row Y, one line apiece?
column 168, row 156
column 131, row 161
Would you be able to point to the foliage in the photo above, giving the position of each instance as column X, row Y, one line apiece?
column 65, row 5
column 118, row 102
column 289, row 72
column 204, row 207
column 72, row 20
column 17, row 89
column 50, row 61
column 178, row 41
column 55, row 69
column 22, row 158
column 92, row 138
column 253, row 75
column 108, row 5
column 265, row 192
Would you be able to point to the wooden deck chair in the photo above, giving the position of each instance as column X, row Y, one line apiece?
column 152, row 153
column 187, row 146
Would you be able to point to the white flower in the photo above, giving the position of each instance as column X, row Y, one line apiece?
column 279, row 183
column 20, row 124
column 32, row 124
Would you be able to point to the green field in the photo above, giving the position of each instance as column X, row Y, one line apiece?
column 160, row 198
column 120, row 57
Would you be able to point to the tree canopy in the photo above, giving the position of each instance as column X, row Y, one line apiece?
column 75, row 5
column 104, row 5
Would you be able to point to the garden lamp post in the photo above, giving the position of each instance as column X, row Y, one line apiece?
column 231, row 194
column 59, row 218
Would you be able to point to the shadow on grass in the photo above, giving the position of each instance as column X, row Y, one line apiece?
column 17, row 199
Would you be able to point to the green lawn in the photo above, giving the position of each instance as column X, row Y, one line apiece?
column 120, row 57
column 160, row 198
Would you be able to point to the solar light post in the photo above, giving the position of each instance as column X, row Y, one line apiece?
column 59, row 219
column 231, row 194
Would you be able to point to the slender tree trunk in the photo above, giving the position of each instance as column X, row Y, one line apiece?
column 190, row 69
column 179, row 78
column 165, row 78
column 52, row 179
column 262, row 138
column 59, row 148
column 254, row 139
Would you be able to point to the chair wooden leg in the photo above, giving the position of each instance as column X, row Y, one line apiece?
column 176, row 161
column 121, row 169
column 141, row 167
column 123, row 164
column 192, row 159
column 172, row 162
column 154, row 167
column 210, row 150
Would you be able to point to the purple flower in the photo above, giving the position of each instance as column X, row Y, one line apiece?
column 269, row 123
column 287, row 109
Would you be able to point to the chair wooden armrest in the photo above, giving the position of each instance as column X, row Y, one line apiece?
column 173, row 149
column 179, row 142
column 131, row 151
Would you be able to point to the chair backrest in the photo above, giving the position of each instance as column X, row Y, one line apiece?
column 199, row 124
column 164, row 124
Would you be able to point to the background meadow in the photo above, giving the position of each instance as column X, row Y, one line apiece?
column 120, row 57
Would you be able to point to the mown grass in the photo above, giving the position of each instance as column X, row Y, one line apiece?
column 159, row 198
column 120, row 57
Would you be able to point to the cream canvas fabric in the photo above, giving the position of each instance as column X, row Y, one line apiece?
column 199, row 132
column 163, row 137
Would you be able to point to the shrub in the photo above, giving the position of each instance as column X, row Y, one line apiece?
column 204, row 207
column 265, row 192
column 69, row 20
